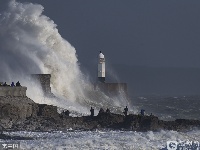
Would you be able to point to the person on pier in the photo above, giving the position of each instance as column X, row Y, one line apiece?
column 92, row 112
column 126, row 111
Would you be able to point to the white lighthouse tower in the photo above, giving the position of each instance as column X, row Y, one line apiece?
column 101, row 68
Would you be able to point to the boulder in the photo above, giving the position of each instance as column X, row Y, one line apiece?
column 47, row 111
column 1, row 129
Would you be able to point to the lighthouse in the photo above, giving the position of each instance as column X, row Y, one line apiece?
column 101, row 68
column 110, row 89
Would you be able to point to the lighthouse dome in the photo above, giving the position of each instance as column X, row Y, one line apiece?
column 101, row 55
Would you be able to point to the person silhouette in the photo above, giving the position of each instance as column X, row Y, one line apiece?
column 67, row 113
column 18, row 84
column 142, row 112
column 92, row 112
column 126, row 111
column 5, row 84
column 12, row 84
column 107, row 111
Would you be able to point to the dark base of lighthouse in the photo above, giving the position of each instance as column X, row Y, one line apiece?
column 101, row 79
column 113, row 89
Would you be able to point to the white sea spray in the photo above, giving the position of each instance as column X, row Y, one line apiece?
column 31, row 44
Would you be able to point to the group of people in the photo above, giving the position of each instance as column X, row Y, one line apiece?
column 108, row 111
column 142, row 112
column 65, row 113
column 12, row 84
column 101, row 111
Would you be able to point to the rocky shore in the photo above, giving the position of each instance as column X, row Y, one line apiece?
column 22, row 114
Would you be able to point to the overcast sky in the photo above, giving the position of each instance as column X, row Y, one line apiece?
column 135, row 32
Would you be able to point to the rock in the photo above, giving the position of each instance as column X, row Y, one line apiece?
column 23, row 114
column 7, row 137
column 1, row 129
column 47, row 110
column 110, row 120
column 15, row 107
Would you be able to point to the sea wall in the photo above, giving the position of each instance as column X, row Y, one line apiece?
column 19, row 91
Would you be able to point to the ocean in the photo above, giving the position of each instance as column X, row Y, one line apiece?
column 103, row 140
column 168, row 107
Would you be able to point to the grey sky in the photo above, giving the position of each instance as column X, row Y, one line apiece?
column 136, row 32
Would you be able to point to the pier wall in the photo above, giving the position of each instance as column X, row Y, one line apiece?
column 19, row 91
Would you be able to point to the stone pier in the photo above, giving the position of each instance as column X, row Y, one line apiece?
column 18, row 91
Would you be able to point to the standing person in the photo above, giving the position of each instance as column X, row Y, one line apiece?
column 101, row 111
column 126, row 111
column 18, row 84
column 107, row 111
column 5, row 84
column 12, row 84
column 67, row 113
column 92, row 112
column 142, row 112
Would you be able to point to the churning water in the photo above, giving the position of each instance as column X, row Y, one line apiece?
column 104, row 140
column 170, row 108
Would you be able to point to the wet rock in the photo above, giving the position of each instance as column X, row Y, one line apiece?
column 110, row 120
column 7, row 137
column 16, row 108
column 47, row 111
column 1, row 129
column 23, row 114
